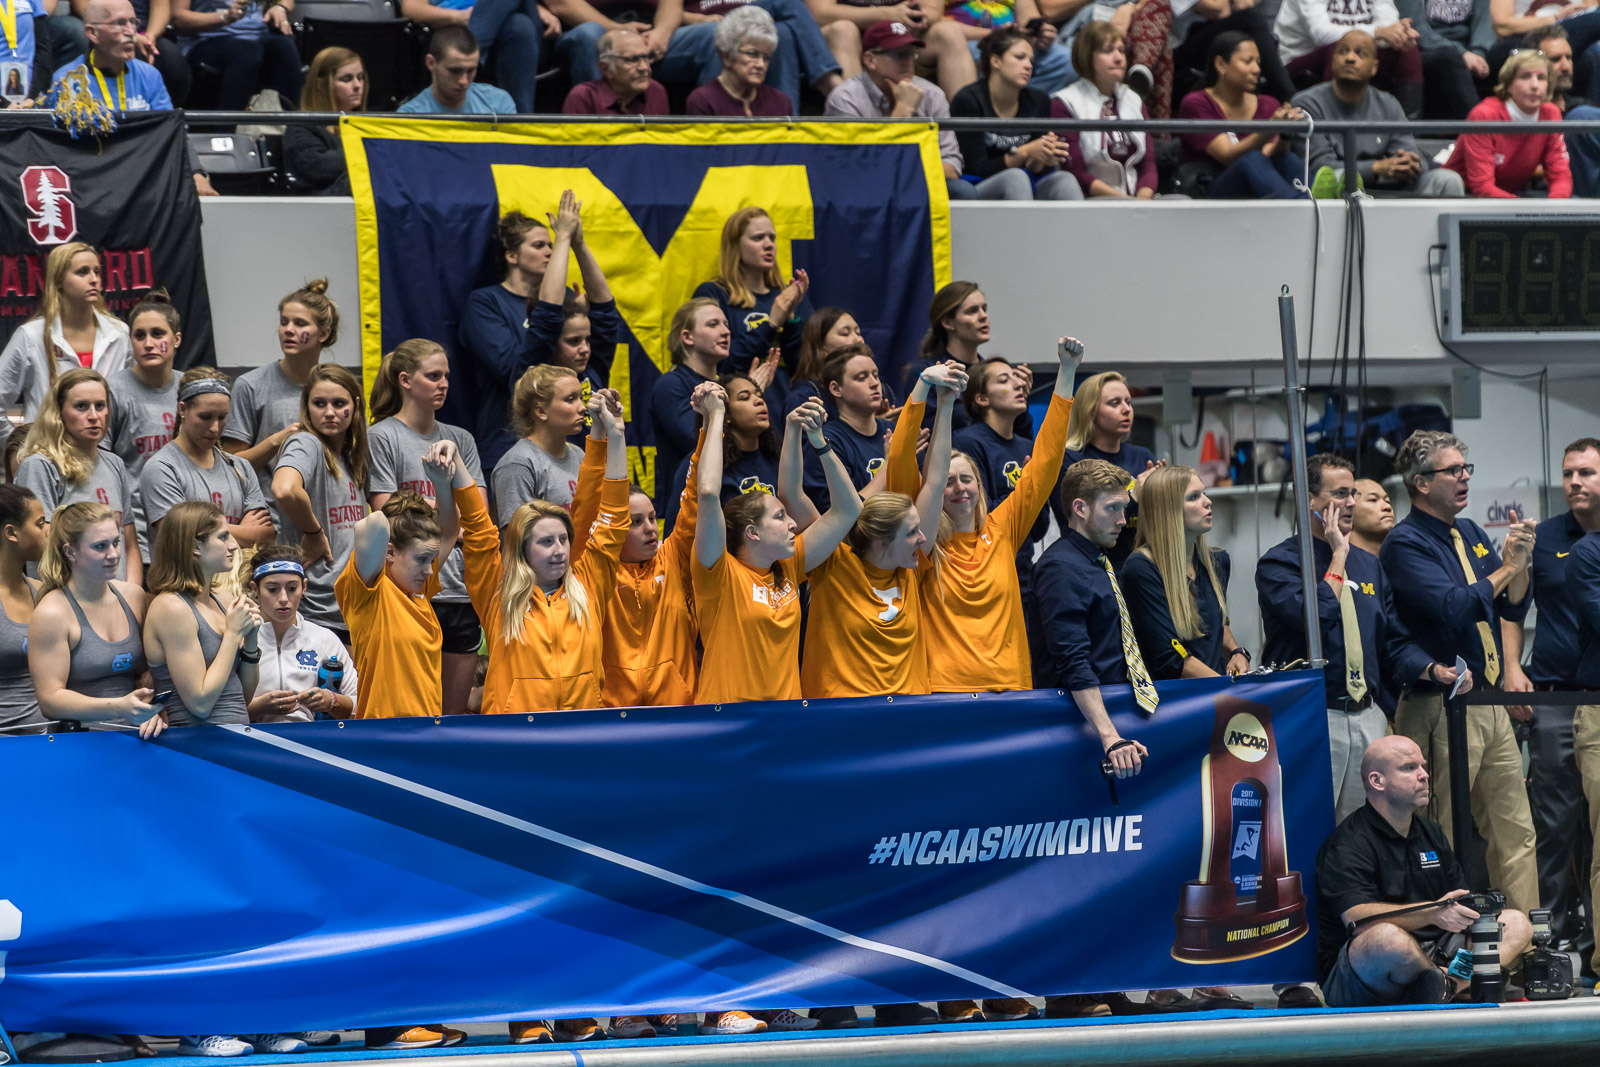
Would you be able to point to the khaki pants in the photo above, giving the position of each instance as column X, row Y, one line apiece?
column 1586, row 750
column 1499, row 796
column 1349, row 734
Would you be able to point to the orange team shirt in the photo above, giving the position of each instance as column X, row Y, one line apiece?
column 865, row 634
column 649, row 652
column 397, row 638
column 974, row 615
column 750, row 626
column 556, row 665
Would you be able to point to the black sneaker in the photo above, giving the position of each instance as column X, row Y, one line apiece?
column 835, row 1018
column 1140, row 80
column 903, row 1015
column 1298, row 996
column 1076, row 1006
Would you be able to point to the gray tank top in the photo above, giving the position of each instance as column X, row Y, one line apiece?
column 102, row 668
column 230, row 706
column 19, row 704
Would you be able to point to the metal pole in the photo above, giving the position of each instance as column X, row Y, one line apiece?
column 1352, row 172
column 1297, row 456
column 1455, row 712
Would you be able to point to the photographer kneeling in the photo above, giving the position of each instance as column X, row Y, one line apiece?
column 1381, row 862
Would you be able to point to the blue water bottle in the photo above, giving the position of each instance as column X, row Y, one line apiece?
column 330, row 676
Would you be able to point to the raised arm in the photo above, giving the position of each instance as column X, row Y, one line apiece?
column 592, row 471
column 445, row 470
column 710, row 536
column 563, row 226
column 1040, row 475
column 803, row 421
column 824, row 535
column 949, row 380
column 595, row 286
column 370, row 550
column 683, row 530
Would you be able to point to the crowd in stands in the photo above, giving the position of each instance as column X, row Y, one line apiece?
column 1008, row 59
column 182, row 548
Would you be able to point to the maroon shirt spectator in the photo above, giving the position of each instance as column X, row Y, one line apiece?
column 624, row 86
column 1202, row 105
column 713, row 98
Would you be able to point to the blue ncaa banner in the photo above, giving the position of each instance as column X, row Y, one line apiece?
column 344, row 875
column 860, row 206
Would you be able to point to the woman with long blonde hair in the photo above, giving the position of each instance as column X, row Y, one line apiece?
column 320, row 481
column 1102, row 421
column 71, row 329
column 63, row 463
column 85, row 642
column 763, row 311
column 1177, row 586
column 412, row 385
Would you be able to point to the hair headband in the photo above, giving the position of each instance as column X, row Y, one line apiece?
column 204, row 385
column 277, row 566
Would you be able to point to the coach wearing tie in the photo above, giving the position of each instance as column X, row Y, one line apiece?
column 1451, row 591
column 1561, row 775
column 1583, row 581
column 1353, row 609
column 1085, row 628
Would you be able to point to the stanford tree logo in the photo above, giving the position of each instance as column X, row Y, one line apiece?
column 46, row 192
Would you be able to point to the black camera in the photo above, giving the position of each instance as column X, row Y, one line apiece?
column 1546, row 972
column 1486, row 902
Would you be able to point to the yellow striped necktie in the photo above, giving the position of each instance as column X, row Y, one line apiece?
column 1491, row 654
column 1355, row 673
column 1144, row 690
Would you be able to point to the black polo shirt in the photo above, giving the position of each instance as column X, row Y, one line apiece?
column 1365, row 862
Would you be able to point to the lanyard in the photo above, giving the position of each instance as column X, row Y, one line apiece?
column 8, row 23
column 105, row 91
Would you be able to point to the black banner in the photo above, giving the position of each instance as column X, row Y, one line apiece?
column 129, row 194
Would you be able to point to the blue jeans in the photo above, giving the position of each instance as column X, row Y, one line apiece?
column 1584, row 149
column 246, row 65
column 1014, row 183
column 1051, row 71
column 510, row 29
column 802, row 52
column 1258, row 176
column 691, row 57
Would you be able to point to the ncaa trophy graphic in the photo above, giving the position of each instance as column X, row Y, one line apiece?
column 1246, row 902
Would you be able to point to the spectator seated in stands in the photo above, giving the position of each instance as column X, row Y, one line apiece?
column 1583, row 148
column 1455, row 37
column 1259, row 165
column 1052, row 64
column 452, row 63
column 151, row 42
column 336, row 81
column 249, row 47
column 681, row 50
column 508, row 31
column 25, row 56
column 1308, row 30
column 1513, row 20
column 844, row 21
column 889, row 86
column 1386, row 858
column 1196, row 24
column 1388, row 163
column 802, row 54
column 746, row 39
column 115, row 77
column 1501, row 164
column 1112, row 163
column 624, row 86
column 1011, row 166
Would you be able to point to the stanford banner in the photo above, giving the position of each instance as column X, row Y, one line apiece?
column 370, row 873
column 130, row 194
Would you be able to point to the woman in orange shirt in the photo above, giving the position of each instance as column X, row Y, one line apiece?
column 544, row 612
column 973, row 614
column 749, row 563
column 385, row 590
column 865, row 635
column 650, row 630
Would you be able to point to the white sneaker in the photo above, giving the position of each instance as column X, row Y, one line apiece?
column 786, row 1021
column 212, row 1045
column 732, row 1022
column 320, row 1038
column 276, row 1044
